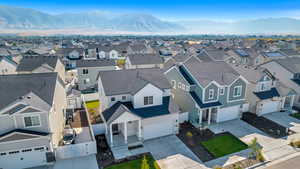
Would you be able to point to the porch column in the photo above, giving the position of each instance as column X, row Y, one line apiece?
column 200, row 115
column 125, row 132
column 140, row 130
column 111, row 134
column 209, row 116
column 292, row 100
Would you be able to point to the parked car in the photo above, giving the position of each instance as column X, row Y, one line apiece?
column 69, row 136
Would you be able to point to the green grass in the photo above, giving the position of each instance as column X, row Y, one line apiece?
column 92, row 104
column 296, row 115
column 135, row 164
column 222, row 145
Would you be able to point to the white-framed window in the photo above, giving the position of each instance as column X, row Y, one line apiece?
column 85, row 71
column 187, row 88
column 86, row 81
column 222, row 91
column 179, row 85
column 183, row 86
column 123, row 97
column 148, row 100
column 32, row 121
column 173, row 82
column 211, row 93
column 237, row 91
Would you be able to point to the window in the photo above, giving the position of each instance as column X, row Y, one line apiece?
column 13, row 152
column 113, row 99
column 173, row 83
column 237, row 91
column 183, row 87
column 2, row 154
column 85, row 81
column 179, row 85
column 148, row 100
column 262, row 87
column 222, row 91
column 32, row 121
column 85, row 71
column 26, row 150
column 187, row 88
column 123, row 97
column 39, row 149
column 210, row 93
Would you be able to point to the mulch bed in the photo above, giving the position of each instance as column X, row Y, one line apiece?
column 104, row 156
column 269, row 127
column 193, row 143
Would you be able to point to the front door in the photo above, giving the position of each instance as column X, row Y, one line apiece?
column 205, row 115
column 115, row 129
column 287, row 102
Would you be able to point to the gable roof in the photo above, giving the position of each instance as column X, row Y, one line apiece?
column 206, row 72
column 291, row 64
column 30, row 63
column 132, row 80
column 14, row 87
column 168, row 107
column 95, row 63
column 143, row 59
column 20, row 134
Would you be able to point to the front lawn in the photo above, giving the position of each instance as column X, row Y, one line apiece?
column 135, row 164
column 223, row 145
column 296, row 115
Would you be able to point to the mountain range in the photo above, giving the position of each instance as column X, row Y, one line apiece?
column 30, row 19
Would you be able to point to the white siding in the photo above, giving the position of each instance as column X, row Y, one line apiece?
column 148, row 90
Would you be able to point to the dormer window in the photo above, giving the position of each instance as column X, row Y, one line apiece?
column 237, row 91
column 32, row 121
column 211, row 93
column 113, row 99
column 148, row 100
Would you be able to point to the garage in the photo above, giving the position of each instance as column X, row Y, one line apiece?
column 23, row 158
column 158, row 126
column 268, row 107
column 228, row 113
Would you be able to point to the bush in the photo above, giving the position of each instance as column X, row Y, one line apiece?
column 295, row 144
column 189, row 134
column 218, row 167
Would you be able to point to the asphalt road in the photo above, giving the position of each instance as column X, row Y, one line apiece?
column 293, row 163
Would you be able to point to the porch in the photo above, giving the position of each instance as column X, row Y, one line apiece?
column 126, row 133
column 208, row 116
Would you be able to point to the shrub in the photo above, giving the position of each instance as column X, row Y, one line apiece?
column 189, row 134
column 218, row 167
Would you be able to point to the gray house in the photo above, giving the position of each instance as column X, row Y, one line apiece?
column 136, row 105
column 265, row 93
column 134, row 61
column 88, row 71
column 211, row 92
column 31, row 119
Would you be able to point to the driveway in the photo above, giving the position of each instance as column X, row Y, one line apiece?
column 284, row 119
column 272, row 148
column 171, row 153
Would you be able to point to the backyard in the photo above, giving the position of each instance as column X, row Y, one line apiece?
column 93, row 110
column 135, row 164
column 222, row 145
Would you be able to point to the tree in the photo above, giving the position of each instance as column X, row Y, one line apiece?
column 145, row 164
column 256, row 150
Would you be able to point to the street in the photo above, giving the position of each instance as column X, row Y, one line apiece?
column 293, row 163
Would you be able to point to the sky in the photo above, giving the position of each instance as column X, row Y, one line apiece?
column 229, row 10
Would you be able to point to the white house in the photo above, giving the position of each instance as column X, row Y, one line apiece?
column 7, row 65
column 136, row 105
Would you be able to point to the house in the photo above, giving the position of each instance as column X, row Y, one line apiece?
column 134, row 61
column 287, row 72
column 70, row 55
column 217, row 55
column 41, row 64
column 136, row 105
column 7, row 65
column 88, row 71
column 31, row 119
column 140, row 48
column 107, row 51
column 211, row 92
column 265, row 93
column 245, row 56
column 290, row 52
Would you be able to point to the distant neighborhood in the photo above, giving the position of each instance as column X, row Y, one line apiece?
column 167, row 102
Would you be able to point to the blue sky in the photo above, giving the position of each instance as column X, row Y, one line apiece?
column 173, row 9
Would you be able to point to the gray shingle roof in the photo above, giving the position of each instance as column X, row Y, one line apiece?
column 142, row 59
column 132, row 80
column 95, row 63
column 30, row 63
column 15, row 86
column 206, row 72
column 291, row 64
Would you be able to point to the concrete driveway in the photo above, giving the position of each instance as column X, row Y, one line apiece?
column 284, row 119
column 171, row 153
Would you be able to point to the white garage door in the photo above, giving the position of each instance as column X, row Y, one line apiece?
column 157, row 127
column 23, row 160
column 268, row 107
column 228, row 113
